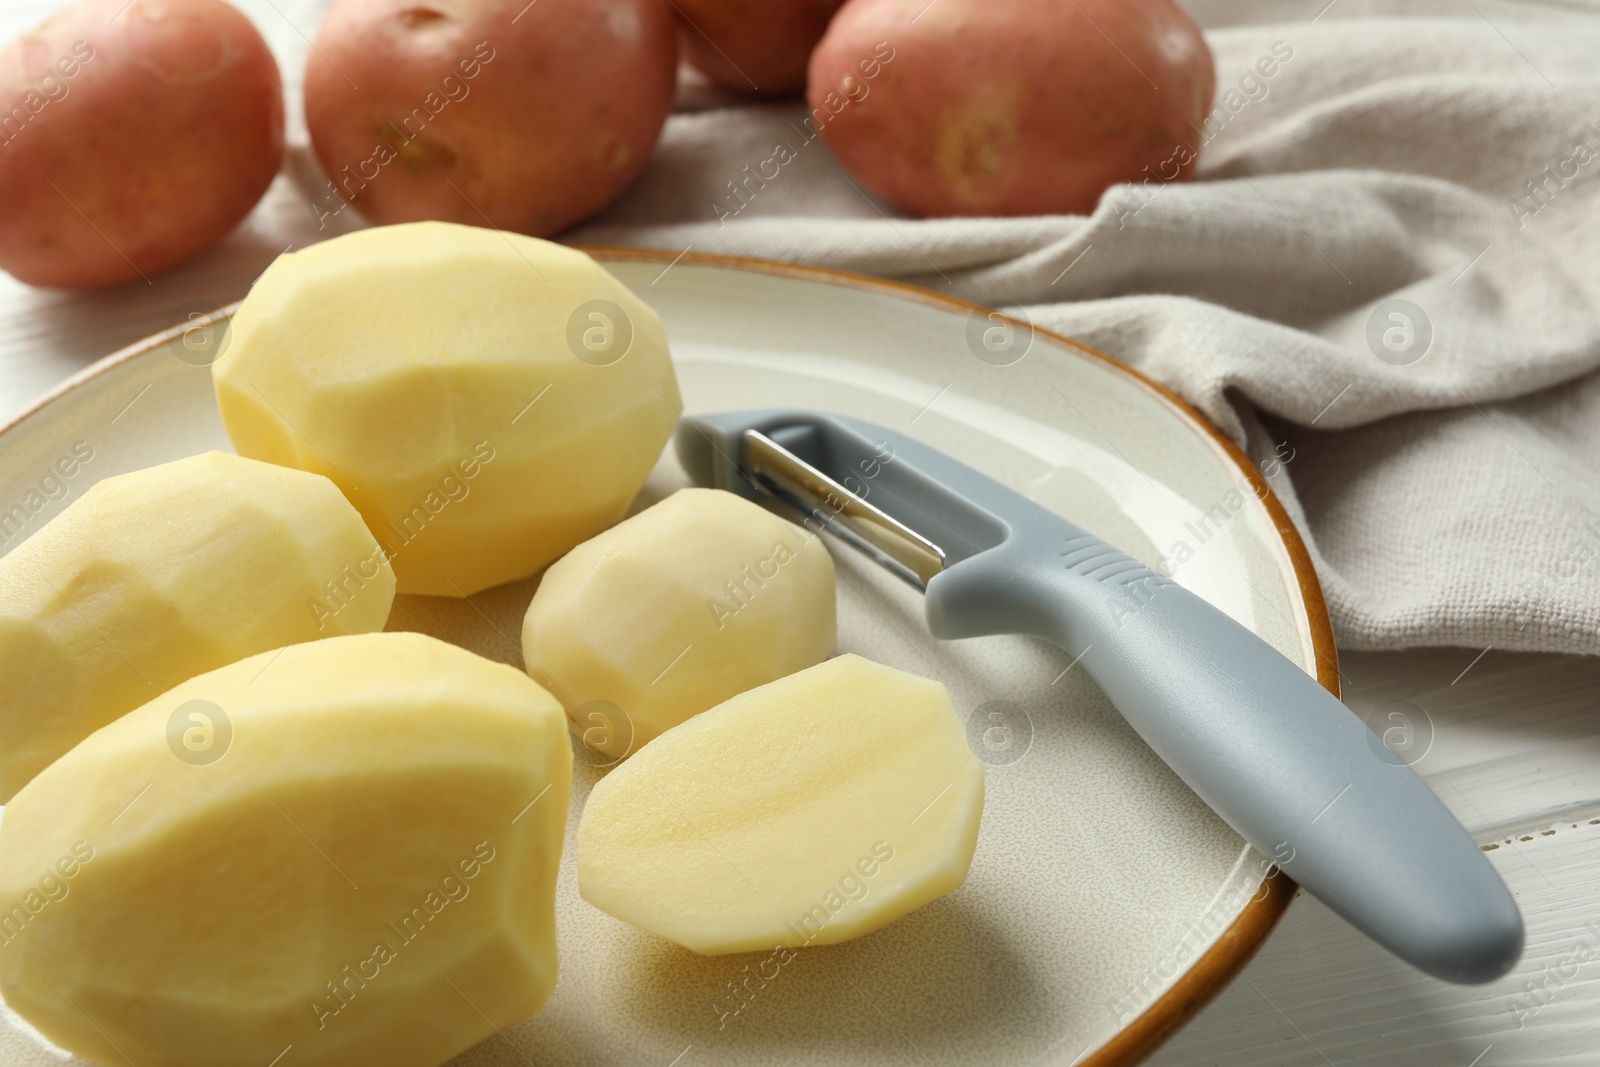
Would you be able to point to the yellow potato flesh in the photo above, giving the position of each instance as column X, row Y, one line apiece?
column 367, row 873
column 673, row 611
column 153, row 577
column 812, row 810
column 486, row 400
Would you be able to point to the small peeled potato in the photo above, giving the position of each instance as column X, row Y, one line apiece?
column 358, row 859
column 673, row 611
column 152, row 577
column 812, row 810
column 134, row 134
column 486, row 400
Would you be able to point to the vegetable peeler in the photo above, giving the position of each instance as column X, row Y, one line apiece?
column 1278, row 757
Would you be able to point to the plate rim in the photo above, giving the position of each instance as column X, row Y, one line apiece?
column 1214, row 968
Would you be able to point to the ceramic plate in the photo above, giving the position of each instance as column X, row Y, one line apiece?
column 1106, row 903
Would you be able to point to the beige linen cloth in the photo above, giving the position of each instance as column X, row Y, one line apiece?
column 1446, row 464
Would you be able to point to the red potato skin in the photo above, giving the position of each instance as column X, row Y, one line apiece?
column 760, row 47
column 531, row 117
column 1010, row 107
column 157, row 145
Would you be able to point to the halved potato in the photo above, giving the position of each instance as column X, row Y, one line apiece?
column 348, row 846
column 812, row 810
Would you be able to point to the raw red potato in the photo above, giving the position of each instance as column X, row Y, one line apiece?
column 753, row 46
column 488, row 112
column 1010, row 107
column 132, row 141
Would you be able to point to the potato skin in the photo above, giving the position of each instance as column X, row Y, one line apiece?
column 488, row 112
column 161, row 139
column 759, row 47
column 1010, row 107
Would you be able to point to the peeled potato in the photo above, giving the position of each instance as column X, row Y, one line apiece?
column 812, row 810
column 362, row 866
column 485, row 400
column 675, row 610
column 525, row 116
column 134, row 134
column 1010, row 107
column 152, row 577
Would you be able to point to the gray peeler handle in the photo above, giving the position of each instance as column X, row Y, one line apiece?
column 1275, row 754
column 1287, row 765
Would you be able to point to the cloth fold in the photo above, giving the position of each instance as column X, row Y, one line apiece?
column 1387, row 262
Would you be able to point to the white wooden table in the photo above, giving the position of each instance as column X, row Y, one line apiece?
column 1512, row 741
